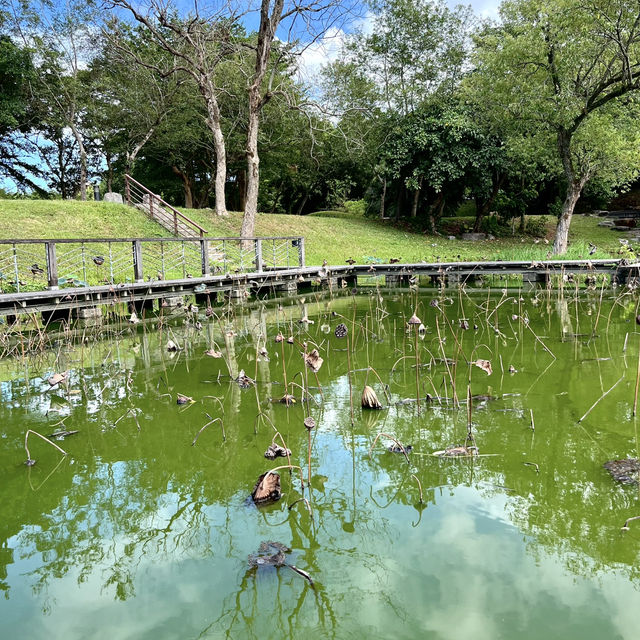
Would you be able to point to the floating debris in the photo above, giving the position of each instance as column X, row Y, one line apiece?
column 370, row 399
column 61, row 435
column 456, row 452
column 313, row 360
column 57, row 378
column 276, row 451
column 212, row 353
column 182, row 399
column 464, row 324
column 394, row 448
column 626, row 471
column 267, row 489
column 287, row 399
column 244, row 381
column 272, row 554
column 512, row 369
column 172, row 346
column 485, row 365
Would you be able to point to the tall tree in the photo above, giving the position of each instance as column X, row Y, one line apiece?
column 565, row 67
column 198, row 44
column 317, row 16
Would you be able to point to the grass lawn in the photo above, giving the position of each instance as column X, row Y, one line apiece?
column 74, row 219
column 331, row 235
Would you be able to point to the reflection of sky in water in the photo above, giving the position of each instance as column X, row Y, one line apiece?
column 463, row 571
column 139, row 535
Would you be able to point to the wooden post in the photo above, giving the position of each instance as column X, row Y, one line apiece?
column 52, row 265
column 175, row 223
column 137, row 261
column 151, row 205
column 301, row 256
column 127, row 189
column 204, row 256
column 258, row 247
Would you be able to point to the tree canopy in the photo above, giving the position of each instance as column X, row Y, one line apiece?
column 422, row 108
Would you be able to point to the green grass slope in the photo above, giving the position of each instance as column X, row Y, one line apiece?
column 74, row 219
column 334, row 236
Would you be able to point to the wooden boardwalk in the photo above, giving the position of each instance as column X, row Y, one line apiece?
column 268, row 277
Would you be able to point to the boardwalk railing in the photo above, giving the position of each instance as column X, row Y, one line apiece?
column 33, row 265
column 137, row 195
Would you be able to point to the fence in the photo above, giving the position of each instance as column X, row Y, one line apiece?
column 33, row 265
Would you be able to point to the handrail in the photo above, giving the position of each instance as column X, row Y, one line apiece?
column 176, row 213
column 154, row 239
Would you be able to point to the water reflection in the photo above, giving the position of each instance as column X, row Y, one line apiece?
column 138, row 526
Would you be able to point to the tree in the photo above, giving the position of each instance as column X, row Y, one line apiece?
column 317, row 17
column 568, row 68
column 198, row 44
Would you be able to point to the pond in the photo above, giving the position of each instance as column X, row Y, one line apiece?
column 139, row 533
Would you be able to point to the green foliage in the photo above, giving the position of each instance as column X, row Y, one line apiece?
column 355, row 208
column 536, row 226
column 496, row 226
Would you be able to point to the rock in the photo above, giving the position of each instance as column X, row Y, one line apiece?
column 606, row 223
column 451, row 238
column 473, row 237
column 110, row 196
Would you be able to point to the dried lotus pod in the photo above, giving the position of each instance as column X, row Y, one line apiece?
column 414, row 320
column 370, row 399
column 275, row 450
column 309, row 423
column 279, row 337
column 341, row 330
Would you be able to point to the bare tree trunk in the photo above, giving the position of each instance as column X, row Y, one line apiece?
column 575, row 184
column 83, row 161
column 301, row 207
column 416, row 199
column 214, row 119
column 269, row 22
column 561, row 240
column 383, row 198
column 435, row 211
column 109, row 171
column 186, row 186
column 253, row 173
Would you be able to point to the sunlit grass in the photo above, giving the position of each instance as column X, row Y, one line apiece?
column 330, row 235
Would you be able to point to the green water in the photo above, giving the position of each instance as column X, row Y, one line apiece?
column 138, row 534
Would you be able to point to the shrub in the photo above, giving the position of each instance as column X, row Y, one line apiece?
column 536, row 226
column 496, row 226
column 355, row 207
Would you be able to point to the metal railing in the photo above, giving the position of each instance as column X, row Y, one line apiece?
column 137, row 195
column 33, row 265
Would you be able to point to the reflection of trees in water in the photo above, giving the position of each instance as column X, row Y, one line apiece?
column 104, row 514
